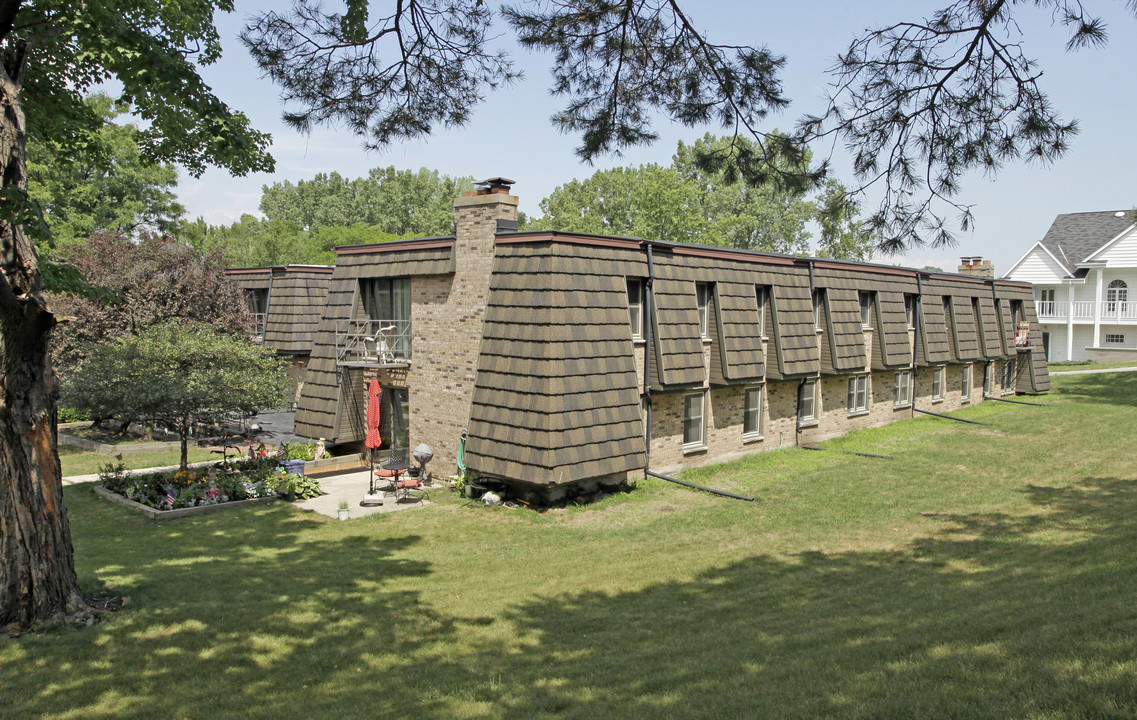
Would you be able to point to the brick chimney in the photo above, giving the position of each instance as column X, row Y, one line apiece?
column 447, row 323
column 976, row 266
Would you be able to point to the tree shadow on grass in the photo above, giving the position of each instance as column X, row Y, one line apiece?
column 1101, row 388
column 992, row 616
column 997, row 616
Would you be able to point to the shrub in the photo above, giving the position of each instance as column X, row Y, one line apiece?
column 298, row 451
column 65, row 414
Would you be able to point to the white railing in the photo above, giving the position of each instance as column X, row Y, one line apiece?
column 373, row 342
column 1051, row 311
column 1119, row 311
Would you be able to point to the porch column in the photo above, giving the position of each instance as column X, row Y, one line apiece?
column 1098, row 272
column 1070, row 322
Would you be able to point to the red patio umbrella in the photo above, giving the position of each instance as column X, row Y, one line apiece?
column 372, row 440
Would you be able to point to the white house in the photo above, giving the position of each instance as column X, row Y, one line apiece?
column 1082, row 272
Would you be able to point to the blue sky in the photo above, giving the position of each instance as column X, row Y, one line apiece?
column 510, row 134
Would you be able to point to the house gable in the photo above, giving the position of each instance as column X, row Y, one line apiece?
column 1039, row 266
column 1119, row 252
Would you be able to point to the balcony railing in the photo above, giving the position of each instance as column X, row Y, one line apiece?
column 373, row 343
column 1111, row 310
column 256, row 326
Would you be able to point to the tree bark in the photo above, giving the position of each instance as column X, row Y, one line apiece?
column 38, row 584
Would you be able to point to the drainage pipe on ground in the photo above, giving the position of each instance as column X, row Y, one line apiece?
column 949, row 417
column 847, row 452
column 1017, row 402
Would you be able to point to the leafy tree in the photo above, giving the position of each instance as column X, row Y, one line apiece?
column 178, row 373
column 251, row 241
column 142, row 284
column 399, row 202
column 920, row 104
column 843, row 235
column 768, row 216
column 50, row 54
column 105, row 185
column 648, row 201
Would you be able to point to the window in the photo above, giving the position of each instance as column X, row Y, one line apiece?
column 937, row 383
column 902, row 388
column 1116, row 296
column 858, row 393
column 1046, row 295
column 702, row 298
column 636, row 307
column 965, row 387
column 817, row 309
column 387, row 302
column 866, row 309
column 978, row 323
column 1114, row 338
column 947, row 316
column 752, row 414
column 988, row 378
column 910, row 310
column 693, row 424
column 258, row 301
column 761, row 293
column 807, row 401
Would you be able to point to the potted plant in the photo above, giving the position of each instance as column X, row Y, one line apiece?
column 343, row 511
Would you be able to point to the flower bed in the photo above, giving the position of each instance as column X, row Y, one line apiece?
column 245, row 479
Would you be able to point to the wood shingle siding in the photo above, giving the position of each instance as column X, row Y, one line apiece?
column 892, row 347
column 934, row 346
column 843, row 330
column 794, row 331
column 675, row 330
column 296, row 301
column 963, row 326
column 989, row 342
column 739, row 357
column 556, row 398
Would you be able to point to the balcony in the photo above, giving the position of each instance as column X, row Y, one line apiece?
column 255, row 326
column 373, row 343
column 1114, row 311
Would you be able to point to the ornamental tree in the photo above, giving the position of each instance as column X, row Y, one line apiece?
column 178, row 373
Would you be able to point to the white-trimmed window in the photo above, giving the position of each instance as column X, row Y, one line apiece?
column 752, row 414
column 694, row 424
column 1114, row 338
column 902, row 388
column 636, row 307
column 1116, row 295
column 703, row 299
column 937, row 384
column 817, row 309
column 910, row 310
column 858, row 394
column 866, row 309
column 761, row 294
column 807, row 401
column 965, row 386
column 988, row 378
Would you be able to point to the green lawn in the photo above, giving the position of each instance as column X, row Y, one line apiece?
column 982, row 572
column 81, row 462
column 1090, row 365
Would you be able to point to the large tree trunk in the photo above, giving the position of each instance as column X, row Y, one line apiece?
column 37, row 568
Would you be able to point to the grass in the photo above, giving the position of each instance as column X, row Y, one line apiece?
column 81, row 462
column 982, row 572
column 1089, row 365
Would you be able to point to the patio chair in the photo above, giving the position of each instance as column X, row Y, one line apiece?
column 393, row 469
column 410, row 487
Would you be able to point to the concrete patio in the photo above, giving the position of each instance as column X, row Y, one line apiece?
column 352, row 487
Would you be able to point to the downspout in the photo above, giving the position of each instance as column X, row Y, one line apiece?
column 647, row 388
column 648, row 304
column 917, row 309
column 801, row 383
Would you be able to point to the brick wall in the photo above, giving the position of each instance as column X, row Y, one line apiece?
column 446, row 321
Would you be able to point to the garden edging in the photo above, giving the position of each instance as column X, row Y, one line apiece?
column 155, row 514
